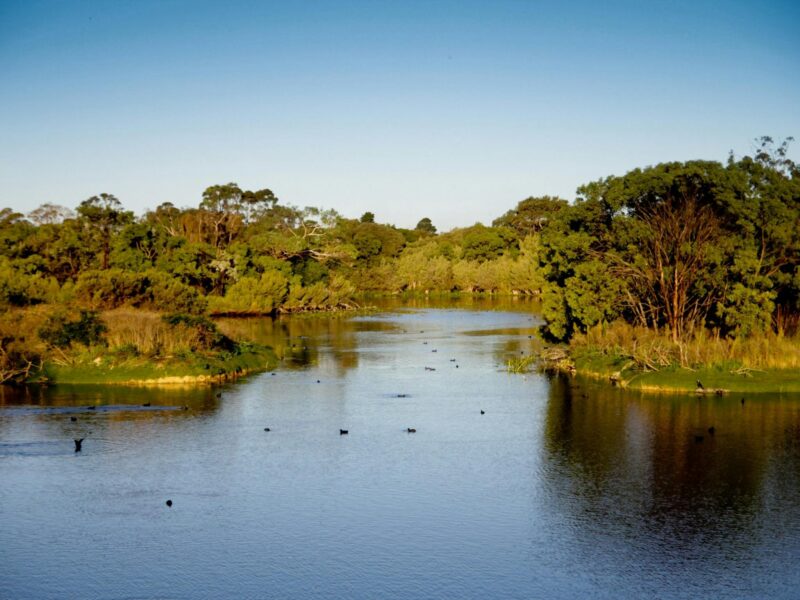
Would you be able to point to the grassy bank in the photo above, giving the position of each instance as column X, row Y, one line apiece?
column 124, row 346
column 111, row 368
column 642, row 359
column 726, row 378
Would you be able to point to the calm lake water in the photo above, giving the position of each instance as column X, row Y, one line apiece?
column 562, row 489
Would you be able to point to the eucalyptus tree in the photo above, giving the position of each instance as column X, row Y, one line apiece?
column 677, row 246
column 227, row 209
column 104, row 215
column 425, row 226
column 531, row 215
column 50, row 214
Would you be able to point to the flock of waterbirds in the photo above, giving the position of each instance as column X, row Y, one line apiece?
column 79, row 441
column 697, row 438
column 401, row 395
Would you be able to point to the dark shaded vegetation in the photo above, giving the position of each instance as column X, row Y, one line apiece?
column 60, row 332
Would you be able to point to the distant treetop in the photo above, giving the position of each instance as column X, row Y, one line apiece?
column 425, row 226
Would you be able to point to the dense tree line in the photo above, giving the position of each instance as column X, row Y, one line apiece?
column 679, row 246
column 242, row 252
column 672, row 247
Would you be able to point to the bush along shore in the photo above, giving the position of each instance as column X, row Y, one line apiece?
column 647, row 360
column 124, row 346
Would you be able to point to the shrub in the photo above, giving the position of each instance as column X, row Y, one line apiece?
column 60, row 332
column 208, row 336
column 112, row 288
column 253, row 296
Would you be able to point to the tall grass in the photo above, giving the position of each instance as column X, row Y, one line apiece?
column 652, row 350
column 521, row 364
column 147, row 333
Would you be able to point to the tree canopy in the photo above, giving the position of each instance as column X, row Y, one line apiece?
column 676, row 246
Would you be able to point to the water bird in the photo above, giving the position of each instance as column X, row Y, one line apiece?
column 411, row 430
column 429, row 369
column 742, row 401
column 434, row 350
column 184, row 407
column 712, row 430
column 267, row 429
column 318, row 381
column 91, row 407
column 456, row 366
column 146, row 404
column 219, row 394
column 78, row 444
column 452, row 360
column 343, row 432
column 273, row 373
column 401, row 396
column 169, row 503
column 73, row 419
column 424, row 343
column 700, row 385
column 483, row 412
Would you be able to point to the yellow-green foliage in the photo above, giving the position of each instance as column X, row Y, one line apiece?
column 381, row 276
column 422, row 268
column 649, row 349
column 521, row 364
column 20, row 347
column 18, row 288
column 145, row 332
column 112, row 288
column 441, row 264
column 253, row 295
column 336, row 293
column 503, row 275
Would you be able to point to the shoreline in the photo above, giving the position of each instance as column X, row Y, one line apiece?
column 716, row 379
column 166, row 381
column 198, row 370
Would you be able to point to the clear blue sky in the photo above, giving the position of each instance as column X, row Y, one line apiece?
column 451, row 110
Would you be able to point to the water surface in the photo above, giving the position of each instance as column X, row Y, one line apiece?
column 562, row 489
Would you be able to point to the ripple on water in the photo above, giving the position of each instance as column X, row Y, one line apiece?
column 17, row 411
column 37, row 448
column 62, row 447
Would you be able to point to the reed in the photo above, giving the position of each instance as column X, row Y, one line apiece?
column 653, row 350
column 521, row 364
column 147, row 333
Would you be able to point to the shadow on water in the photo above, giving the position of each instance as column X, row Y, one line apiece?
column 111, row 398
column 298, row 340
column 64, row 413
column 459, row 301
column 651, row 473
column 302, row 341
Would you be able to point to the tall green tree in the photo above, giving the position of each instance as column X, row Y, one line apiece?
column 104, row 215
column 531, row 215
column 676, row 246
